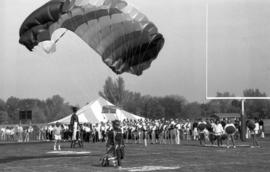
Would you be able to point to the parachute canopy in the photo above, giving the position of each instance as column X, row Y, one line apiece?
column 124, row 37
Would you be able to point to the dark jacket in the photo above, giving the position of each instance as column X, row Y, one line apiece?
column 74, row 118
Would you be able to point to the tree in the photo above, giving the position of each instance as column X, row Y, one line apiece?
column 12, row 105
column 57, row 108
column 38, row 115
column 42, row 111
column 151, row 108
column 253, row 93
column 222, row 106
column 114, row 91
column 193, row 110
column 2, row 105
column 256, row 108
column 3, row 117
column 133, row 103
column 173, row 106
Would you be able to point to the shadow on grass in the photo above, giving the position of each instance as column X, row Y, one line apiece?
column 110, row 167
column 21, row 158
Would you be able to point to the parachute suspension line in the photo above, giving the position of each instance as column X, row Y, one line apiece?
column 60, row 36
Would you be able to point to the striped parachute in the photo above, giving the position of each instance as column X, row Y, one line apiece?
column 124, row 37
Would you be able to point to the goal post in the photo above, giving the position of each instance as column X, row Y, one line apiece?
column 242, row 99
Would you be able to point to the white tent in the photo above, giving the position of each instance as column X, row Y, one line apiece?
column 98, row 111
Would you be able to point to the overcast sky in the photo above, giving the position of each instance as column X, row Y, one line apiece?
column 239, row 39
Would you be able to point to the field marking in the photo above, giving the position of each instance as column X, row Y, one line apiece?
column 150, row 168
column 222, row 163
column 160, row 153
column 69, row 152
column 225, row 146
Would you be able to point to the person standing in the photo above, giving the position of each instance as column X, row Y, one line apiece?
column 261, row 128
column 144, row 129
column 172, row 131
column 254, row 128
column 30, row 131
column 20, row 133
column 57, row 131
column 50, row 131
column 238, row 129
column 178, row 128
column 195, row 130
column 188, row 129
column 218, row 130
column 201, row 129
column 230, row 130
column 74, row 123
column 102, row 131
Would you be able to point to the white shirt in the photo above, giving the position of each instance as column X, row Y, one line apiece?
column 30, row 129
column 218, row 129
column 20, row 129
column 87, row 129
column 57, row 130
column 178, row 126
column 102, row 128
column 188, row 125
column 256, row 129
column 50, row 128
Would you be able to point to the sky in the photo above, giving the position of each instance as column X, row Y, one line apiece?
column 239, row 39
column 238, row 56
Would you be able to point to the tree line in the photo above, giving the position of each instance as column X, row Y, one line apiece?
column 170, row 106
column 176, row 106
column 43, row 111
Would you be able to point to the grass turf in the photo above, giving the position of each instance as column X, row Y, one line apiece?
column 188, row 156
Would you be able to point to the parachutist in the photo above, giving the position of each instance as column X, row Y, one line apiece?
column 74, row 124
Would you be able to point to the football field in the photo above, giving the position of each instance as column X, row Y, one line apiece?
column 188, row 156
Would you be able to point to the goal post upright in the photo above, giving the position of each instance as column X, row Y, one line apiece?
column 243, row 121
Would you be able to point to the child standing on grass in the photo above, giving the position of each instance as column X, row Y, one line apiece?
column 57, row 136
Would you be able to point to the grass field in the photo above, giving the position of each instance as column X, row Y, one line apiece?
column 188, row 156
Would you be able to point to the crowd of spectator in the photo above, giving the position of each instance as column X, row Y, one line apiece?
column 148, row 131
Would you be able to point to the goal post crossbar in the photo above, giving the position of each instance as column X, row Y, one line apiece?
column 206, row 71
column 238, row 98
